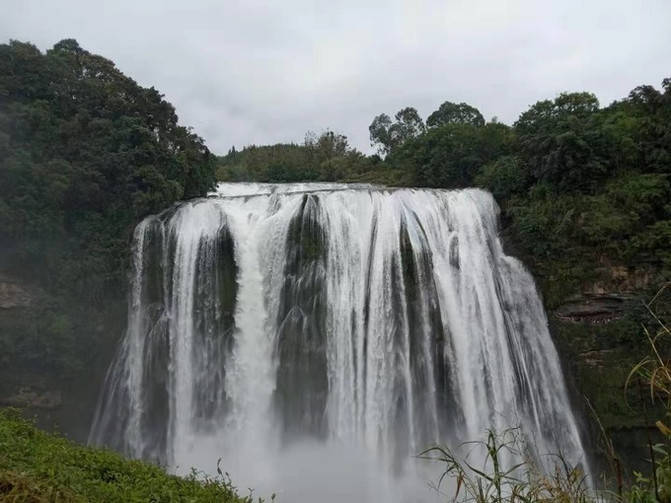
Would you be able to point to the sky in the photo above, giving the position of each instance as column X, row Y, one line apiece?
column 251, row 72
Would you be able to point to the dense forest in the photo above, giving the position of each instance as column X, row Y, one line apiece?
column 85, row 153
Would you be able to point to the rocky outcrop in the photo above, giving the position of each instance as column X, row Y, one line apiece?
column 34, row 398
column 601, row 338
column 595, row 308
column 14, row 294
column 620, row 279
column 598, row 358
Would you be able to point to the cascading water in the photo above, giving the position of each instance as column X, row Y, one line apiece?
column 316, row 337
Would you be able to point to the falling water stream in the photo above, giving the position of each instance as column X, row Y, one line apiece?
column 316, row 337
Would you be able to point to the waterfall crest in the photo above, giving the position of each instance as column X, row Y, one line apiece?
column 369, row 322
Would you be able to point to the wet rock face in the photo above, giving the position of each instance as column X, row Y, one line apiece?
column 43, row 368
column 598, row 358
column 595, row 309
column 15, row 300
column 601, row 338
column 13, row 294
column 622, row 279
column 34, row 398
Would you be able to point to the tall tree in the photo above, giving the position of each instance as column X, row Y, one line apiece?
column 387, row 135
column 563, row 143
column 452, row 155
column 453, row 113
column 380, row 136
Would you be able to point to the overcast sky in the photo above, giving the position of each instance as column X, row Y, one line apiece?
column 243, row 72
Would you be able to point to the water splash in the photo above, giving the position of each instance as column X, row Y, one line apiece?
column 316, row 336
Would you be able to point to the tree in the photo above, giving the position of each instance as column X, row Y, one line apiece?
column 504, row 177
column 650, row 109
column 563, row 142
column 451, row 156
column 408, row 125
column 453, row 113
column 388, row 136
column 550, row 115
column 328, row 144
column 380, row 136
column 86, row 152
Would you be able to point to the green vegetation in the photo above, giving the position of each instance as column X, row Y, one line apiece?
column 324, row 158
column 583, row 190
column 493, row 482
column 654, row 371
column 85, row 153
column 39, row 467
column 388, row 135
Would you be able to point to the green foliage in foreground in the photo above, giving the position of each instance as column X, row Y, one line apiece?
column 40, row 467
column 494, row 481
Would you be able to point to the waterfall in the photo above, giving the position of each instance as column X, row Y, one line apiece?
column 317, row 336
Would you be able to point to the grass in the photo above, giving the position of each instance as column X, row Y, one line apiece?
column 36, row 466
column 655, row 371
column 494, row 482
